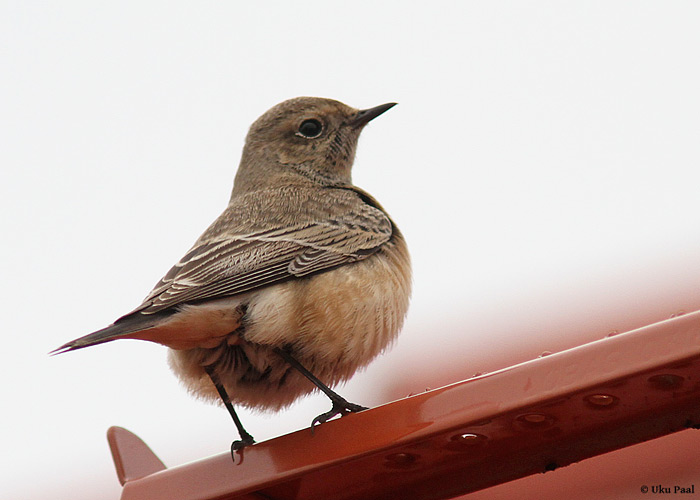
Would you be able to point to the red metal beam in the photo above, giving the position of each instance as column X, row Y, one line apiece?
column 526, row 419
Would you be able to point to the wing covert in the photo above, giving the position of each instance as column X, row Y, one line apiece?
column 233, row 264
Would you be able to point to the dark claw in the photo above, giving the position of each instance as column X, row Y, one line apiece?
column 238, row 445
column 340, row 407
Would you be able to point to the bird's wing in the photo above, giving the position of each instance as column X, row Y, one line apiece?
column 232, row 264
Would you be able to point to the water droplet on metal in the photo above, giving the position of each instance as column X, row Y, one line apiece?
column 544, row 353
column 679, row 313
column 534, row 420
column 612, row 333
column 467, row 437
column 465, row 441
column 601, row 400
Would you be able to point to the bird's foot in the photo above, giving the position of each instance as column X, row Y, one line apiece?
column 340, row 407
column 239, row 444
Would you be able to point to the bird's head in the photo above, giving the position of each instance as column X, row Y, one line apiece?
column 310, row 137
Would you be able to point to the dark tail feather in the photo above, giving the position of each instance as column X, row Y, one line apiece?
column 123, row 326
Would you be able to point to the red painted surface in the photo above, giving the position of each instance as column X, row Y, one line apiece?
column 486, row 431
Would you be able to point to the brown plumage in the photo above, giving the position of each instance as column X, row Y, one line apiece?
column 301, row 260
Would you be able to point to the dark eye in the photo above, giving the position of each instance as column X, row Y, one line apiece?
column 310, row 128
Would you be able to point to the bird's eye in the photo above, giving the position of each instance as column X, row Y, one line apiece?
column 310, row 128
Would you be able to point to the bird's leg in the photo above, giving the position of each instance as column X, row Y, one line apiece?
column 246, row 439
column 340, row 405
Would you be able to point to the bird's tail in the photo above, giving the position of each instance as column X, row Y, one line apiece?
column 122, row 327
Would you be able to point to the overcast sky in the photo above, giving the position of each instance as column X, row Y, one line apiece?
column 542, row 162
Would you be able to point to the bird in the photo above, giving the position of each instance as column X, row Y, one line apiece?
column 303, row 279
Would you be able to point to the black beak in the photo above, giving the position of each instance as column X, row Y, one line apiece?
column 365, row 115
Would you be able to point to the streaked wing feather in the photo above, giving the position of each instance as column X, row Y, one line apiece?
column 236, row 264
column 226, row 287
column 314, row 260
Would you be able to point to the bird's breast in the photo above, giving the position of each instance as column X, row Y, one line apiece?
column 346, row 315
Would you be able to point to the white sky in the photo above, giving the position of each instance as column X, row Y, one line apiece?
column 542, row 163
